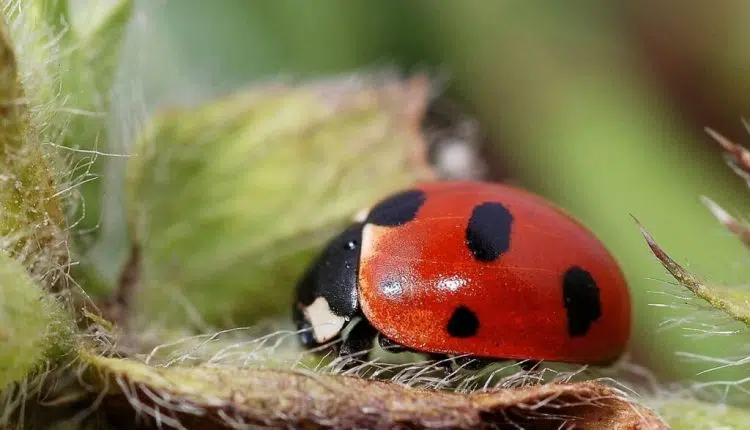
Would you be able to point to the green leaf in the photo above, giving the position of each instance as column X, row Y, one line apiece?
column 93, row 65
column 733, row 302
column 696, row 415
column 46, row 13
column 32, row 220
column 227, row 201
column 35, row 329
column 69, row 68
column 88, row 82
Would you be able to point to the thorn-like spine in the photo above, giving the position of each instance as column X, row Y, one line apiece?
column 738, row 157
column 718, row 298
column 738, row 228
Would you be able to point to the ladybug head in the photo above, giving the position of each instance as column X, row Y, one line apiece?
column 327, row 294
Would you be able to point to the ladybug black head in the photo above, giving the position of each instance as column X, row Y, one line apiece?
column 327, row 294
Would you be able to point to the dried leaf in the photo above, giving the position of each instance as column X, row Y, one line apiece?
column 228, row 201
column 226, row 398
column 734, row 303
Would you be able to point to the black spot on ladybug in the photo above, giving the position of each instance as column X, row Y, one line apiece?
column 463, row 323
column 488, row 231
column 397, row 209
column 581, row 299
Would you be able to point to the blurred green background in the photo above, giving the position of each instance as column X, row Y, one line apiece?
column 599, row 106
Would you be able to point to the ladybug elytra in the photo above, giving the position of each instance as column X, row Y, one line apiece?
column 468, row 268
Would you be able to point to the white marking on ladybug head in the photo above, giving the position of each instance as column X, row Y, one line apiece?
column 361, row 216
column 325, row 324
column 370, row 235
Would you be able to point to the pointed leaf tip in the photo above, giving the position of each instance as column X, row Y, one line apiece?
column 739, row 229
column 737, row 156
column 675, row 269
column 720, row 214
column 736, row 304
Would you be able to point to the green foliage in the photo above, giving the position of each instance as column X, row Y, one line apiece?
column 35, row 329
column 31, row 220
column 227, row 200
column 736, row 304
column 697, row 415
column 68, row 69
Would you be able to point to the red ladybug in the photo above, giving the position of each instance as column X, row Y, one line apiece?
column 468, row 268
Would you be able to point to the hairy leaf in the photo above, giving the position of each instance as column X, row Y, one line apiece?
column 227, row 398
column 228, row 200
column 734, row 303
column 32, row 219
column 34, row 327
column 67, row 65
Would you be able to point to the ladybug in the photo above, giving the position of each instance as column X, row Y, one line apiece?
column 476, row 269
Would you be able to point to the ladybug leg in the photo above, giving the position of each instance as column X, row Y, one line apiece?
column 359, row 340
column 390, row 345
column 527, row 365
column 473, row 363
column 443, row 361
